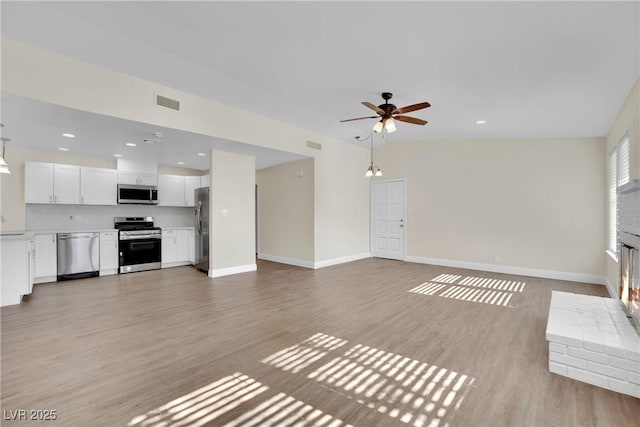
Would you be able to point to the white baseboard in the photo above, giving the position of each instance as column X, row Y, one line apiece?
column 219, row 272
column 341, row 260
column 285, row 260
column 175, row 264
column 47, row 279
column 520, row 271
column 612, row 291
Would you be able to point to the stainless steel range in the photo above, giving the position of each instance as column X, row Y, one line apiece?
column 139, row 244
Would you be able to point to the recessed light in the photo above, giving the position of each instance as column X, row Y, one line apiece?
column 201, row 154
column 130, row 144
column 117, row 155
column 63, row 149
column 68, row 135
column 181, row 163
column 481, row 122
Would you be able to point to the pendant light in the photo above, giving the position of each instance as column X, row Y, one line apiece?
column 373, row 170
column 4, row 167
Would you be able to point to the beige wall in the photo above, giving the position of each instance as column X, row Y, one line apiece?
column 285, row 211
column 537, row 203
column 341, row 195
column 232, row 236
column 627, row 121
column 341, row 202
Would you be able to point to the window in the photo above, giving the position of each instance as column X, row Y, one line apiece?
column 613, row 201
column 618, row 176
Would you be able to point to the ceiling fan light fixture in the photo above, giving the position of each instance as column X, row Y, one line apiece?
column 2, row 162
column 378, row 172
column 5, row 170
column 390, row 125
column 378, row 126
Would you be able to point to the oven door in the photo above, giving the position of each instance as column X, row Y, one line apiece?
column 139, row 253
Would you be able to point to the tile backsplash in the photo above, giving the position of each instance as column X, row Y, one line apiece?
column 85, row 217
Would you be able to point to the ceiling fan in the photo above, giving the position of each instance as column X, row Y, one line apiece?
column 388, row 113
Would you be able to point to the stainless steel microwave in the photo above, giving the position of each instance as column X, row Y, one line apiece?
column 137, row 194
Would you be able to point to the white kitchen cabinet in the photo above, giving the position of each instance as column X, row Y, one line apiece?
column 171, row 190
column 204, row 180
column 192, row 246
column 177, row 247
column 135, row 172
column 51, row 183
column 66, row 184
column 182, row 246
column 190, row 184
column 15, row 270
column 98, row 186
column 169, row 247
column 46, row 260
column 108, row 252
column 38, row 182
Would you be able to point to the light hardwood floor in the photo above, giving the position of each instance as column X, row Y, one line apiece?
column 282, row 345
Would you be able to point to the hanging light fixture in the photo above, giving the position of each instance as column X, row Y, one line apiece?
column 373, row 170
column 4, row 167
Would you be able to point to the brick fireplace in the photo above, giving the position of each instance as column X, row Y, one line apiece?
column 596, row 340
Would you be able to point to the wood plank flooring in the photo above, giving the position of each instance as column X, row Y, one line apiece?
column 343, row 345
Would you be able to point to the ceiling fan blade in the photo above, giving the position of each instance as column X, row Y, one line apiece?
column 413, row 107
column 359, row 118
column 412, row 120
column 373, row 107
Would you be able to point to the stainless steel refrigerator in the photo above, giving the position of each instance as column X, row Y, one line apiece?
column 202, row 228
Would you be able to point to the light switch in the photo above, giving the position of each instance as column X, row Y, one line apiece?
column 225, row 212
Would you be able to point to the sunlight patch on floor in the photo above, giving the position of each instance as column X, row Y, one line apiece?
column 405, row 389
column 473, row 289
column 285, row 411
column 299, row 356
column 201, row 406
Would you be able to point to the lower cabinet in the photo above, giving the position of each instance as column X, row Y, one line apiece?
column 108, row 252
column 15, row 270
column 46, row 258
column 177, row 246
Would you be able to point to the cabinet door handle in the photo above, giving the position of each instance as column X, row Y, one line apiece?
column 82, row 200
column 50, row 199
column 55, row 199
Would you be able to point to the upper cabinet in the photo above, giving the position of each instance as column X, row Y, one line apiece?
column 51, row 183
column 190, row 185
column 204, row 180
column 98, row 186
column 38, row 182
column 135, row 172
column 171, row 190
column 68, row 184
column 177, row 190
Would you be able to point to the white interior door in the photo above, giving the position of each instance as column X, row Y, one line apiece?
column 387, row 219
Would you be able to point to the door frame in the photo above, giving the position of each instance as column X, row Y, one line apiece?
column 404, row 213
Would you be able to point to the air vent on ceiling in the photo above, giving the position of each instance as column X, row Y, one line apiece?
column 314, row 145
column 167, row 102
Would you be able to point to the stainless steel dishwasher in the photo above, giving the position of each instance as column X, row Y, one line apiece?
column 78, row 255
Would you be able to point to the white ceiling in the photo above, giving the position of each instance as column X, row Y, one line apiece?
column 530, row 69
column 39, row 125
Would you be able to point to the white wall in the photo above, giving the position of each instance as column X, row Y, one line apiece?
column 232, row 213
column 285, row 212
column 627, row 121
column 341, row 194
column 536, row 203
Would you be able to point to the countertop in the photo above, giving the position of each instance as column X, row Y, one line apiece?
column 28, row 234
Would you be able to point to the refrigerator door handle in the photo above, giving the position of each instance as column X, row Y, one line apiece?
column 199, row 217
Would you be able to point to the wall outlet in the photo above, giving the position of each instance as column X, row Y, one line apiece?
column 496, row 258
